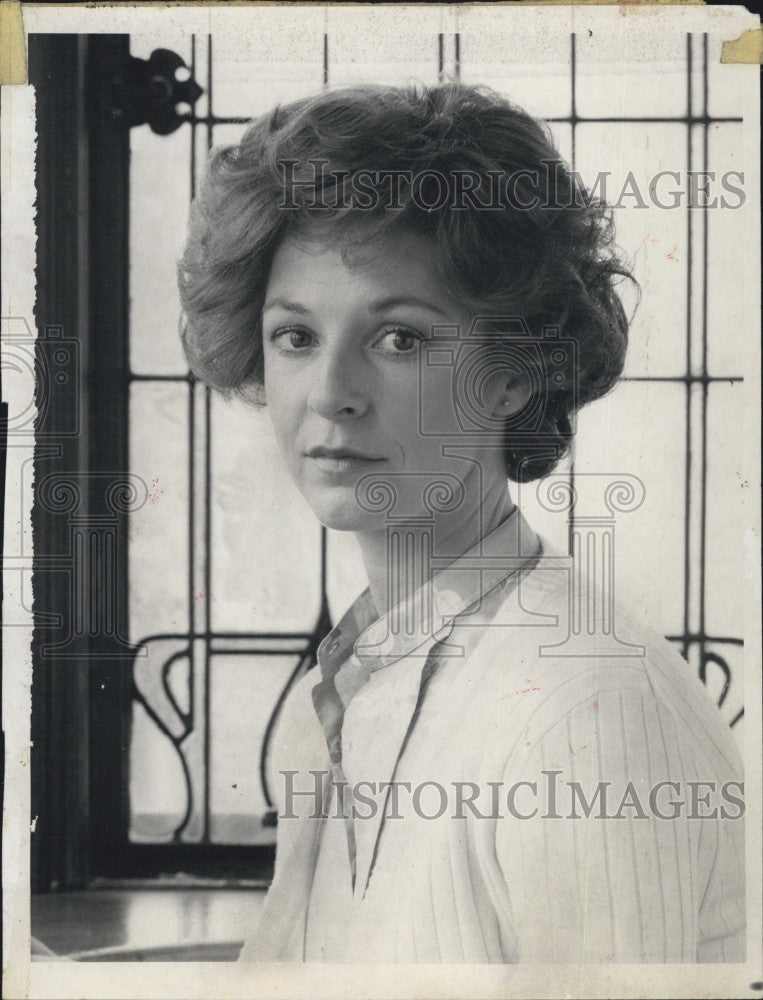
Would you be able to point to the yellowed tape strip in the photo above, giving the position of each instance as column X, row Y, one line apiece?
column 748, row 48
column 12, row 46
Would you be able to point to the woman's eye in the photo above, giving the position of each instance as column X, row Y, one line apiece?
column 292, row 339
column 401, row 340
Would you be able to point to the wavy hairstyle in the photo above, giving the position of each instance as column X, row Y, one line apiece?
column 543, row 249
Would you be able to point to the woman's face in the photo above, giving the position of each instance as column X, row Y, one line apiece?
column 342, row 344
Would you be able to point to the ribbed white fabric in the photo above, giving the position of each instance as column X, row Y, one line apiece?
column 487, row 888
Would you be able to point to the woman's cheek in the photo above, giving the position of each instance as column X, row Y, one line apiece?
column 279, row 419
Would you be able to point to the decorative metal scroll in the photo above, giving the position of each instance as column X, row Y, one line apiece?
column 149, row 91
column 171, row 681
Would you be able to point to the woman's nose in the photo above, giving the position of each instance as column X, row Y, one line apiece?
column 338, row 388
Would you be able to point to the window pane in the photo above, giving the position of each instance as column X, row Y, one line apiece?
column 244, row 690
column 277, row 60
column 158, row 533
column 529, row 67
column 726, row 493
column 372, row 46
column 655, row 84
column 653, row 239
column 638, row 431
column 159, row 197
column 265, row 539
column 157, row 790
column 726, row 291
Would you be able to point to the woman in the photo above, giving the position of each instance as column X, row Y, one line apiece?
column 423, row 296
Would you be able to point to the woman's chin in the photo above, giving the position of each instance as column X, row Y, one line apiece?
column 349, row 519
column 345, row 514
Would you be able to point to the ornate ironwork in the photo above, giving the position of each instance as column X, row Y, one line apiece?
column 149, row 91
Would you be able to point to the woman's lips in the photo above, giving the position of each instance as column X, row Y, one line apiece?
column 342, row 460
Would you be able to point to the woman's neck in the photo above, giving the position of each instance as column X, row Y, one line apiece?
column 398, row 567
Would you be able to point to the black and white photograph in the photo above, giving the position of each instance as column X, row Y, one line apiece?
column 381, row 454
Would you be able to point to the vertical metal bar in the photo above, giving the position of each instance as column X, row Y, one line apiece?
column 324, row 535
column 193, row 123
column 207, row 523
column 192, row 476
column 324, row 574
column 688, row 384
column 440, row 57
column 457, row 55
column 207, row 603
column 573, row 92
column 703, row 457
column 573, row 126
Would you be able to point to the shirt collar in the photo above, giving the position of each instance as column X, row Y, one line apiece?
column 378, row 641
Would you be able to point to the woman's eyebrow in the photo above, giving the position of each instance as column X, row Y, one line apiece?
column 405, row 300
column 281, row 303
column 379, row 305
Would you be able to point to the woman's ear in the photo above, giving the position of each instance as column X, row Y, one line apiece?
column 513, row 397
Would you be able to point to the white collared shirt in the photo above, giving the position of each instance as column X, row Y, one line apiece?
column 491, row 697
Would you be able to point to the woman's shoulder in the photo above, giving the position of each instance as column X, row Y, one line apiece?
column 569, row 648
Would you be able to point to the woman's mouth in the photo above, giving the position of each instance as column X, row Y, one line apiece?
column 341, row 460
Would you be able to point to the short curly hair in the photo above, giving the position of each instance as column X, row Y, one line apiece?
column 543, row 249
